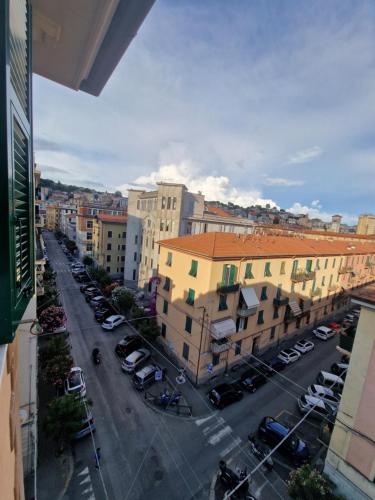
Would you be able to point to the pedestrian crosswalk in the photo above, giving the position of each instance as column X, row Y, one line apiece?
column 219, row 434
column 81, row 485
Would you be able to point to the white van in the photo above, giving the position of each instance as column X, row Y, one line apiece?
column 330, row 380
column 324, row 333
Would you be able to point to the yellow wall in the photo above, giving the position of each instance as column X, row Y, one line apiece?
column 101, row 240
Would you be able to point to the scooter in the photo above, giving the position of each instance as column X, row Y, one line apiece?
column 166, row 399
column 230, row 479
column 260, row 453
column 96, row 356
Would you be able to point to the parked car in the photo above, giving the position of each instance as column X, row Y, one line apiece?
column 87, row 287
column 113, row 321
column 97, row 301
column 273, row 366
column 87, row 426
column 324, row 333
column 91, row 294
column 223, row 395
column 356, row 312
column 83, row 278
column 350, row 318
column 146, row 376
column 132, row 362
column 251, row 380
column 330, row 380
column 325, row 394
column 322, row 409
column 75, row 383
column 289, row 356
column 340, row 369
column 304, row 346
column 334, row 326
column 127, row 345
column 102, row 313
column 272, row 432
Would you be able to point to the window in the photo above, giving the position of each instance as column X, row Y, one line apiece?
column 237, row 348
column 267, row 269
column 205, row 227
column 295, row 266
column 215, row 359
column 109, row 246
column 108, row 258
column 188, row 324
column 330, row 280
column 108, row 269
column 163, row 330
column 167, row 284
column 272, row 332
column 124, row 234
column 275, row 312
column 163, row 201
column 134, row 274
column 223, row 302
column 123, row 247
column 122, row 258
column 138, row 204
column 241, row 324
column 185, row 351
column 308, row 265
column 190, row 297
column 135, row 257
column 89, row 247
column 169, row 259
column 248, row 271
column 326, row 264
column 122, row 269
column 152, row 263
column 323, row 280
column 317, row 265
column 153, row 243
column 146, row 260
column 174, row 203
column 263, row 295
column 118, row 247
column 169, row 202
column 89, row 224
column 229, row 274
column 260, row 320
column 303, row 286
column 109, row 234
column 194, row 268
column 136, row 239
column 165, row 307
column 334, row 262
column 146, row 244
column 89, row 236
column 167, row 225
column 292, row 287
column 119, row 235
column 282, row 267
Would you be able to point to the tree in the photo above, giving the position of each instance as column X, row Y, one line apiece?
column 52, row 318
column 307, row 483
column 123, row 299
column 107, row 291
column 57, row 370
column 57, row 346
column 117, row 193
column 71, row 245
column 87, row 260
column 149, row 329
column 59, row 234
column 100, row 275
column 64, row 419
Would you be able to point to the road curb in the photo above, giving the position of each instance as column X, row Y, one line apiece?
column 70, row 467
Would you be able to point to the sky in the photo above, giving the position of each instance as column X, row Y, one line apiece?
column 248, row 101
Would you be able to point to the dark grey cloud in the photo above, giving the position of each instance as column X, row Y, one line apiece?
column 77, row 150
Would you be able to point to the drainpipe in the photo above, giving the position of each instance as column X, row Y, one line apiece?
column 200, row 345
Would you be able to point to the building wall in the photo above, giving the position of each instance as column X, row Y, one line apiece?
column 133, row 240
column 255, row 337
column 117, row 242
column 366, row 224
column 350, row 460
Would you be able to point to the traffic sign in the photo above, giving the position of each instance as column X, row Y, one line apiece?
column 210, row 367
column 159, row 375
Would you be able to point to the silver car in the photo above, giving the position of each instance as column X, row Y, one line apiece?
column 135, row 359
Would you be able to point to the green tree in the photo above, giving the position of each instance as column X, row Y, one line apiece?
column 71, row 245
column 57, row 370
column 123, row 299
column 87, row 260
column 59, row 234
column 57, row 346
column 100, row 275
column 307, row 483
column 64, row 419
column 117, row 193
column 149, row 329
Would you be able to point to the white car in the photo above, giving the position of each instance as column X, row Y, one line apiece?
column 289, row 356
column 304, row 346
column 324, row 333
column 112, row 321
column 324, row 393
column 322, row 409
column 135, row 359
column 75, row 383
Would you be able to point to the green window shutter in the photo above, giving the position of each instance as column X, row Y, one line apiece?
column 323, row 280
column 169, row 259
column 267, row 269
column 194, row 268
column 165, row 307
column 223, row 302
column 334, row 262
column 317, row 266
column 248, row 272
column 16, row 172
column 167, row 284
column 233, row 274
column 188, row 324
column 326, row 264
column 308, row 265
column 313, row 285
column 295, row 266
column 191, row 297
column 226, row 274
column 330, row 279
column 263, row 295
column 260, row 320
column 282, row 267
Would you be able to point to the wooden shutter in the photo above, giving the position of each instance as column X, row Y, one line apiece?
column 232, row 275
column 16, row 174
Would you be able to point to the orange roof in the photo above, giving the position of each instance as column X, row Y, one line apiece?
column 301, row 229
column 218, row 211
column 121, row 219
column 234, row 246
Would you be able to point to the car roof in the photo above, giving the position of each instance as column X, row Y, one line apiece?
column 113, row 318
column 135, row 355
column 324, row 328
column 221, row 388
column 146, row 370
column 312, row 400
column 288, row 350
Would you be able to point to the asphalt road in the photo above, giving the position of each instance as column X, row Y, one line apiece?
column 146, row 455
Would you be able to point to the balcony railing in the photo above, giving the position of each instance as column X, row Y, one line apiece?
column 280, row 301
column 218, row 346
column 243, row 312
column 317, row 292
column 302, row 275
column 227, row 288
column 345, row 269
column 346, row 342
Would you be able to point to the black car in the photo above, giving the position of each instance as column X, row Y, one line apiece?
column 82, row 278
column 83, row 288
column 127, row 345
column 274, row 365
column 272, row 432
column 251, row 380
column 102, row 314
column 223, row 395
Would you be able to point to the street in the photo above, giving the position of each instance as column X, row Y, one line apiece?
column 146, row 454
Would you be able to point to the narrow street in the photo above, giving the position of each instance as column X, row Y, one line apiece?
column 148, row 455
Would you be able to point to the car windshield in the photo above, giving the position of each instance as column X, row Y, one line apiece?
column 74, row 380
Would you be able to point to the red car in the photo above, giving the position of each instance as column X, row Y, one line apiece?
column 334, row 326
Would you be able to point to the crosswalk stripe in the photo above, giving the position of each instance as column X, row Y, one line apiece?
column 202, row 421
column 231, row 447
column 83, row 471
column 210, row 428
column 85, row 481
column 216, row 438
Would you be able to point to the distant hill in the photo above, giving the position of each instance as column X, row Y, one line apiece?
column 68, row 188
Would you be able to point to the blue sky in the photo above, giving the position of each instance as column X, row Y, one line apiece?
column 247, row 101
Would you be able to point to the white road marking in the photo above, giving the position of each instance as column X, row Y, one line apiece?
column 85, row 481
column 85, row 471
column 210, row 428
column 231, row 447
column 201, row 421
column 216, row 438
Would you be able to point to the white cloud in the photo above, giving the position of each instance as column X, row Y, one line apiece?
column 315, row 211
column 304, row 155
column 280, row 181
column 213, row 187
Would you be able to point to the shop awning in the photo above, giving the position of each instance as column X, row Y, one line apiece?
column 223, row 328
column 250, row 297
column 295, row 308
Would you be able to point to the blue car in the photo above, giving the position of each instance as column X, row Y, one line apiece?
column 272, row 432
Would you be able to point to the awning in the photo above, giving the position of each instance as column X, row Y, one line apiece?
column 223, row 328
column 295, row 308
column 250, row 297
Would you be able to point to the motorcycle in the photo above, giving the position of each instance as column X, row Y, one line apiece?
column 166, row 399
column 230, row 480
column 96, row 356
column 260, row 453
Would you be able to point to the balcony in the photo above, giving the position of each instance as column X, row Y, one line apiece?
column 302, row 275
column 218, row 346
column 280, row 301
column 227, row 288
column 244, row 312
column 316, row 293
column 345, row 270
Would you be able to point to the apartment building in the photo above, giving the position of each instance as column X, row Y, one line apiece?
column 52, row 217
column 215, row 219
column 221, row 296
column 350, row 460
column 109, row 242
column 68, row 225
column 366, row 224
column 85, row 218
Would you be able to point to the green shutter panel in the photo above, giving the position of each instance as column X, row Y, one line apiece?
column 16, row 169
column 232, row 275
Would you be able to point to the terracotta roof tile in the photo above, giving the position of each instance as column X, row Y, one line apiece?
column 218, row 211
column 113, row 218
column 229, row 245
